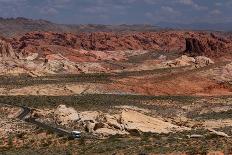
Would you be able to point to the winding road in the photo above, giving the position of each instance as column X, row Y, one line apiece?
column 26, row 111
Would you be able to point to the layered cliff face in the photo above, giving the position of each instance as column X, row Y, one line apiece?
column 194, row 47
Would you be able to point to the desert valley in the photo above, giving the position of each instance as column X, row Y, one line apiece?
column 144, row 91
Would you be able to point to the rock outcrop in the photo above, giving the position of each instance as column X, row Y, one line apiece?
column 199, row 61
column 6, row 50
column 64, row 115
column 41, row 53
column 194, row 47
column 192, row 43
column 51, row 43
column 104, row 124
column 135, row 121
column 226, row 73
column 210, row 45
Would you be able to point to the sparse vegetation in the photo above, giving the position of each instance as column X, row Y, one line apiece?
column 91, row 101
column 156, row 97
column 174, row 142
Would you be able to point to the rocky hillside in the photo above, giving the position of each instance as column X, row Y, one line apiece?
column 43, row 37
column 41, row 53
column 214, row 45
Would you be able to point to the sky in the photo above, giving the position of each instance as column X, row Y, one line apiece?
column 120, row 11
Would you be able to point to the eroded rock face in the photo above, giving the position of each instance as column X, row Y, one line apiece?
column 6, row 50
column 194, row 47
column 210, row 45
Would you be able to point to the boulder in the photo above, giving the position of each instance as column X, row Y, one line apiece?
column 32, row 56
column 104, row 124
column 89, row 116
column 57, row 66
column 65, row 115
column 133, row 120
column 187, row 61
column 226, row 73
column 89, row 126
column 181, row 61
column 113, row 121
column 203, row 61
column 108, row 132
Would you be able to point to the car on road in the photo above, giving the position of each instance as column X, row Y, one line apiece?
column 76, row 134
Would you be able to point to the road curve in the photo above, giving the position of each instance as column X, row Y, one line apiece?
column 26, row 111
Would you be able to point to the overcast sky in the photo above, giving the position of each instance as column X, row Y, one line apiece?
column 120, row 11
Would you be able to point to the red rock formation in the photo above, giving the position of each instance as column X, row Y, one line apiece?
column 209, row 45
column 103, row 41
column 6, row 50
column 194, row 47
column 196, row 43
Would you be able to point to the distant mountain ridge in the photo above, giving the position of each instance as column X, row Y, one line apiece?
column 14, row 26
column 198, row 26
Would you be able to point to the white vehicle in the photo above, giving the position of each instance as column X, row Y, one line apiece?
column 76, row 134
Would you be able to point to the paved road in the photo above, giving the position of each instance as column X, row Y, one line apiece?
column 26, row 111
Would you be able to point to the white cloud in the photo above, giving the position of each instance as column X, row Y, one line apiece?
column 218, row 4
column 215, row 12
column 186, row 2
column 167, row 8
column 164, row 14
column 150, row 1
column 48, row 11
column 193, row 4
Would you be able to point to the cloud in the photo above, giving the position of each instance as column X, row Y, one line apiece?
column 61, row 1
column 218, row 4
column 116, row 11
column 151, row 1
column 215, row 12
column 48, row 11
column 12, row 8
column 164, row 14
column 95, row 9
column 52, row 7
column 168, row 9
column 12, row 1
column 192, row 4
column 186, row 2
